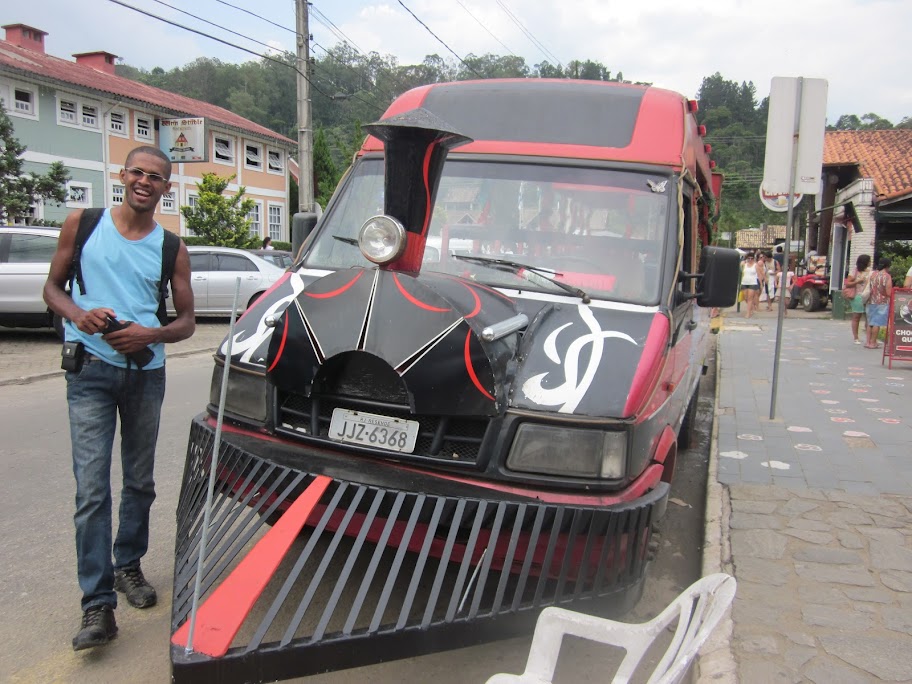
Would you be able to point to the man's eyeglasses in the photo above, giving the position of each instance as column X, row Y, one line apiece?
column 137, row 173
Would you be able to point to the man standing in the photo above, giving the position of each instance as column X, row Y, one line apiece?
column 121, row 266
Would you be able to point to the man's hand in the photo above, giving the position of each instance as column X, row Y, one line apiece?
column 131, row 339
column 93, row 321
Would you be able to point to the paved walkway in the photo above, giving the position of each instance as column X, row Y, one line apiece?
column 812, row 510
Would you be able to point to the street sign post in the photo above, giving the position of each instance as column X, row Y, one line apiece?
column 793, row 164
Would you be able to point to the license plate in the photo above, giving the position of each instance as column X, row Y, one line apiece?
column 370, row 429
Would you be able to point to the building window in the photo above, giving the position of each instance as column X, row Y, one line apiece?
column 90, row 116
column 224, row 149
column 117, row 122
column 66, row 112
column 276, row 164
column 79, row 194
column 143, row 128
column 169, row 203
column 192, row 200
column 256, row 222
column 117, row 194
column 275, row 222
column 25, row 101
column 253, row 157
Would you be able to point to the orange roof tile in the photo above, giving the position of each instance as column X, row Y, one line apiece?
column 885, row 156
column 47, row 67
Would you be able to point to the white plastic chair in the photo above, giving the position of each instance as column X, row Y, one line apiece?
column 697, row 610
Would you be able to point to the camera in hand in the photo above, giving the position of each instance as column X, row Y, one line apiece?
column 140, row 358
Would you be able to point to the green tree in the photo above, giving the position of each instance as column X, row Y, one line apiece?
column 221, row 220
column 18, row 190
column 326, row 175
column 867, row 122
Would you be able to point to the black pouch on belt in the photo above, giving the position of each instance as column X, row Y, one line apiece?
column 72, row 355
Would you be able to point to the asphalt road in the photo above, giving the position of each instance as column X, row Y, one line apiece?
column 40, row 598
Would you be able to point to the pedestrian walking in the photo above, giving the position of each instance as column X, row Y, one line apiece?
column 854, row 285
column 111, row 320
column 750, row 284
column 879, row 303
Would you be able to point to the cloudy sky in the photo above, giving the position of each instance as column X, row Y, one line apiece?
column 861, row 47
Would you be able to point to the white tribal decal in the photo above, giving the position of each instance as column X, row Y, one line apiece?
column 571, row 392
column 245, row 347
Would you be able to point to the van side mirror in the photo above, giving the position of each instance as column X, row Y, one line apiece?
column 720, row 268
column 302, row 225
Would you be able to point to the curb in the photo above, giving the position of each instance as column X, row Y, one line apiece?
column 717, row 660
column 37, row 377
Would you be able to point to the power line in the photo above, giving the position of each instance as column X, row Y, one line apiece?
column 535, row 41
column 439, row 40
column 254, row 14
column 321, row 17
column 480, row 23
column 218, row 40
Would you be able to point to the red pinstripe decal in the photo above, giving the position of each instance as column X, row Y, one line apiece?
column 427, row 186
column 219, row 618
column 338, row 291
column 471, row 370
column 281, row 344
column 419, row 304
column 475, row 297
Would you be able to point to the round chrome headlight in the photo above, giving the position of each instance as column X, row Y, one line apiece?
column 382, row 239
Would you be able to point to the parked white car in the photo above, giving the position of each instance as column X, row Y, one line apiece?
column 25, row 257
column 214, row 272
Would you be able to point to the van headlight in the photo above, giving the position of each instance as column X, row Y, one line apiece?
column 247, row 395
column 382, row 239
column 577, row 452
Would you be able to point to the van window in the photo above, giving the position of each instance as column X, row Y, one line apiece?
column 601, row 230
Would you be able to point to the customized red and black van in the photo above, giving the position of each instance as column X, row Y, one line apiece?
column 465, row 400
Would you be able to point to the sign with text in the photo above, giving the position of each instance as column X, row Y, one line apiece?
column 795, row 101
column 183, row 140
column 898, row 344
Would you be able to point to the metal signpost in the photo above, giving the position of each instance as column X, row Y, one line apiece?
column 792, row 165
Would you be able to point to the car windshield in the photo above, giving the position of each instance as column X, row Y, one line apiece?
column 600, row 230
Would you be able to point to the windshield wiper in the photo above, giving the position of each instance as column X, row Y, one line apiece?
column 346, row 240
column 516, row 267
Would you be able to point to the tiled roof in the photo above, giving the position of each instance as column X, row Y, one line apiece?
column 885, row 156
column 47, row 67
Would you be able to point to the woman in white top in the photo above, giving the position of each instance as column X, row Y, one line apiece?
column 750, row 284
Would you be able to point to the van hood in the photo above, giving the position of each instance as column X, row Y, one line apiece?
column 429, row 332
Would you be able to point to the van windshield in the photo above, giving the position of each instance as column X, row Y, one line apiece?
column 600, row 230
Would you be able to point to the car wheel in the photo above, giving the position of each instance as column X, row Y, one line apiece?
column 57, row 323
column 253, row 299
column 810, row 299
column 687, row 435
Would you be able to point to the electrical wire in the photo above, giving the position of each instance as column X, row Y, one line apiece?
column 254, row 14
column 480, row 23
column 321, row 17
column 219, row 40
column 535, row 41
column 439, row 40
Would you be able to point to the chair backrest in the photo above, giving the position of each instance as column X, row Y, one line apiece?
column 696, row 612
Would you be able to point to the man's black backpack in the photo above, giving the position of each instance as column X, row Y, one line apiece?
column 170, row 247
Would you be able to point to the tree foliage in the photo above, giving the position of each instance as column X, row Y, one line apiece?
column 20, row 191
column 325, row 172
column 222, row 220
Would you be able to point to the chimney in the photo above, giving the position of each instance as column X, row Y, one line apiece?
column 25, row 37
column 100, row 60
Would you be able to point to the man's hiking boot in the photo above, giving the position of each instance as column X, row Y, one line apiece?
column 98, row 628
column 139, row 592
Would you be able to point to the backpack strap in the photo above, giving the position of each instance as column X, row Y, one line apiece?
column 87, row 223
column 170, row 248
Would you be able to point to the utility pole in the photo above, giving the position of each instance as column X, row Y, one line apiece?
column 305, row 132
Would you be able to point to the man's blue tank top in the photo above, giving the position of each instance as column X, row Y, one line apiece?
column 122, row 275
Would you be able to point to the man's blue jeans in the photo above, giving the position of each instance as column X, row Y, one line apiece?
column 96, row 395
